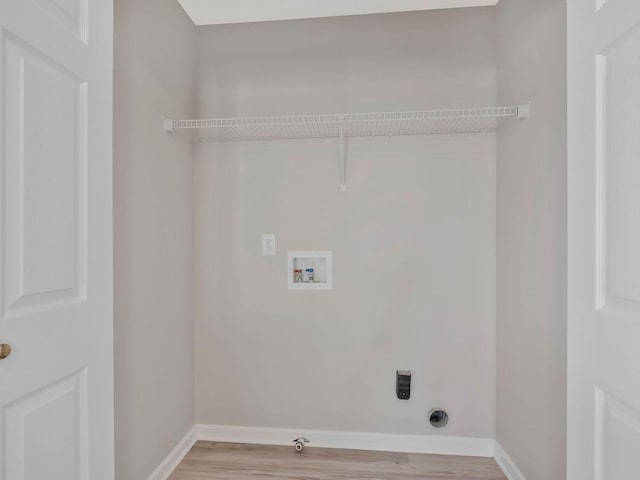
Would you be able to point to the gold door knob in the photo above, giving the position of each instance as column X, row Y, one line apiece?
column 5, row 350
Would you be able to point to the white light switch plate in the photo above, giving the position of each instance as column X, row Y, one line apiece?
column 268, row 244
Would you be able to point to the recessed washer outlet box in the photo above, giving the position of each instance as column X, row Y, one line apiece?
column 310, row 270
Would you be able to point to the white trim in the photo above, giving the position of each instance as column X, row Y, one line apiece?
column 434, row 444
column 507, row 465
column 176, row 455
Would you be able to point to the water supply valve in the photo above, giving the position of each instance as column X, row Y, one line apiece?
column 298, row 444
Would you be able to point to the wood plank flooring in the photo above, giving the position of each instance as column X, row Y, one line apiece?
column 235, row 461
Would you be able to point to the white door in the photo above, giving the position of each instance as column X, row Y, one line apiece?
column 56, row 394
column 604, row 240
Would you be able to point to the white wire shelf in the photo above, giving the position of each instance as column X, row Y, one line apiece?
column 428, row 122
column 342, row 126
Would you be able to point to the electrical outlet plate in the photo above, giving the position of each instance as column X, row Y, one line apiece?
column 320, row 261
column 268, row 244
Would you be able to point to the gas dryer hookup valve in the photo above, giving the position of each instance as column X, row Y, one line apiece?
column 298, row 444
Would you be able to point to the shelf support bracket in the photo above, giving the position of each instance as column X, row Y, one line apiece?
column 343, row 162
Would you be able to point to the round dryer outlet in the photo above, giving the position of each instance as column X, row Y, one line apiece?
column 438, row 417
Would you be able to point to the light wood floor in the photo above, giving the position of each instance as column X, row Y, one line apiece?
column 234, row 461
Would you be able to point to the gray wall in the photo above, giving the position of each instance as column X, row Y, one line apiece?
column 153, row 190
column 413, row 237
column 531, row 238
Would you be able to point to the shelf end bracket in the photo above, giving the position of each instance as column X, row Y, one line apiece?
column 524, row 111
column 168, row 125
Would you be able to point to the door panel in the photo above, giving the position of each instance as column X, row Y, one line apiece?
column 56, row 395
column 604, row 234
column 617, row 439
column 46, row 432
column 619, row 118
column 44, row 234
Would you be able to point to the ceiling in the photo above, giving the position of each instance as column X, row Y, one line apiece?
column 216, row 12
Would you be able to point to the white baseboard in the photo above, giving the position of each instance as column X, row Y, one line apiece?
column 434, row 444
column 176, row 455
column 507, row 464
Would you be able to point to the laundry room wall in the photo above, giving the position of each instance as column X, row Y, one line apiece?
column 153, row 233
column 532, row 239
column 413, row 237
